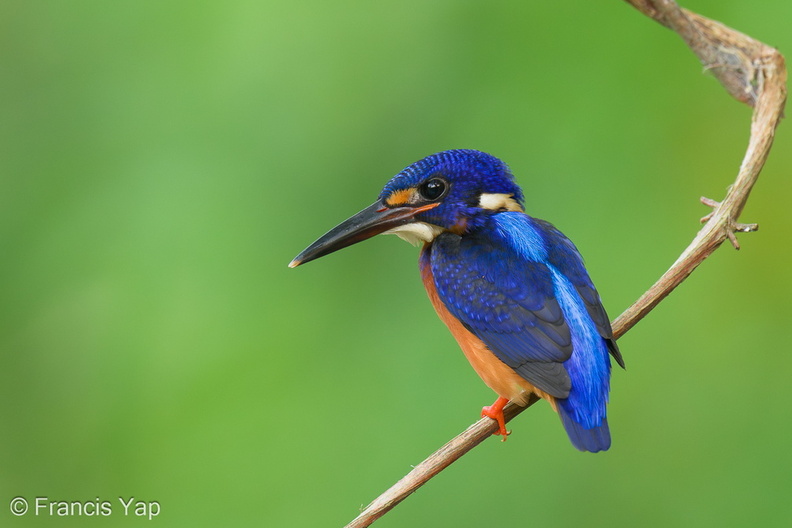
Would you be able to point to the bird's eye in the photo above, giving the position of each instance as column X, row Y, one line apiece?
column 432, row 189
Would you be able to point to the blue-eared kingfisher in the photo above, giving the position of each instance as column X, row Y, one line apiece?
column 512, row 289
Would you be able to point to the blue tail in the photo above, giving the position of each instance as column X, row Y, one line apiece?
column 595, row 439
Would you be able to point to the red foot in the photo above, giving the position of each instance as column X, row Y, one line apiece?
column 495, row 411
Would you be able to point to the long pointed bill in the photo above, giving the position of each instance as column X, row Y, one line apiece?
column 372, row 220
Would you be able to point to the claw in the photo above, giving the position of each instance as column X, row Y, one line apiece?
column 495, row 411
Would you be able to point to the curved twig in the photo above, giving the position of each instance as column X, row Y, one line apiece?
column 751, row 72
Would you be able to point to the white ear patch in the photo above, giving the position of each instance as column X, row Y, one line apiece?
column 499, row 202
column 415, row 232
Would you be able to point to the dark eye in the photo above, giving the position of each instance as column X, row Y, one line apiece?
column 432, row 189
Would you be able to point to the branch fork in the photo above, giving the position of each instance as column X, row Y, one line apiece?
column 730, row 225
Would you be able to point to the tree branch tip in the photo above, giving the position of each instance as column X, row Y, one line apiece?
column 739, row 228
column 746, row 228
column 709, row 202
column 733, row 239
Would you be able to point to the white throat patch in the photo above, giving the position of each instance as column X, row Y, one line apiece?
column 499, row 202
column 416, row 232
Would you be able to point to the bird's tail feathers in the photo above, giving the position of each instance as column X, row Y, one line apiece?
column 595, row 439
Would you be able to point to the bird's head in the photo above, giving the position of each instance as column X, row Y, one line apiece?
column 454, row 190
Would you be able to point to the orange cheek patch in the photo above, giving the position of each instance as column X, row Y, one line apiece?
column 400, row 197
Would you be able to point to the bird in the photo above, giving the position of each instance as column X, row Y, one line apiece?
column 512, row 289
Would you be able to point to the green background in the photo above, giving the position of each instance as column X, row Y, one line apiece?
column 162, row 162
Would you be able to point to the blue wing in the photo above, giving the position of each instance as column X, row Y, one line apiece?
column 501, row 287
column 563, row 254
column 509, row 303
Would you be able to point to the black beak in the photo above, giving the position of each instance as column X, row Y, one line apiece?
column 372, row 220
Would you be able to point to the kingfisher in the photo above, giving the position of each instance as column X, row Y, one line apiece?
column 512, row 289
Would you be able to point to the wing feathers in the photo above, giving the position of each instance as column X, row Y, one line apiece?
column 505, row 295
column 510, row 305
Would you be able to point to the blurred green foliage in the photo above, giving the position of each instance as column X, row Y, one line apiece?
column 162, row 162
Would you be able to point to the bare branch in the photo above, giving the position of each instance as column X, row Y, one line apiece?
column 751, row 72
column 434, row 464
